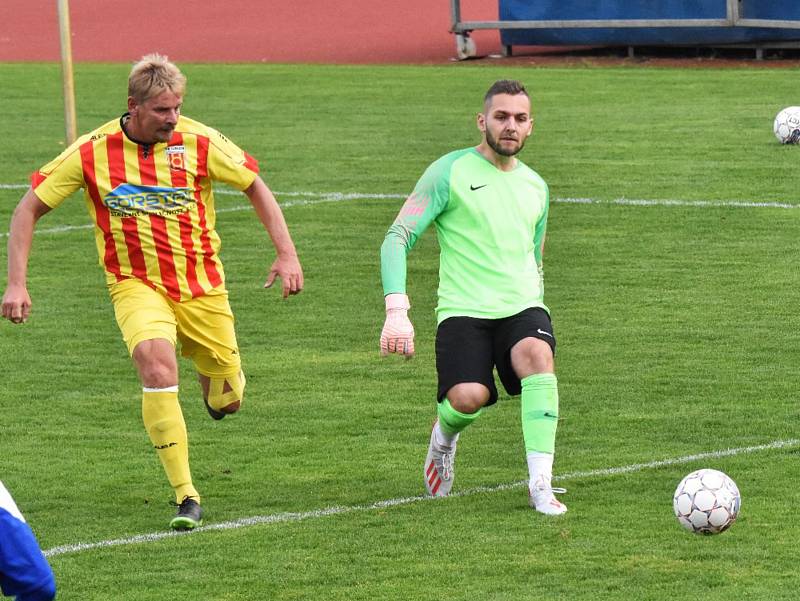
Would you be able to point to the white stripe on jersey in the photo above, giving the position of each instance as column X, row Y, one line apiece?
column 7, row 503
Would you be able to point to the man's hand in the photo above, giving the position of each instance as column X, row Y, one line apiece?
column 398, row 332
column 16, row 304
column 290, row 272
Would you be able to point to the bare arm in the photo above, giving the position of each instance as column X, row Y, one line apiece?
column 16, row 300
column 286, row 266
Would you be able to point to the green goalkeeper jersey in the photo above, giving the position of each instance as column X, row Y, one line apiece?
column 491, row 227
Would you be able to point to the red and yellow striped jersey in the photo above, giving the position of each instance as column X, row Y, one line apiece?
column 152, row 205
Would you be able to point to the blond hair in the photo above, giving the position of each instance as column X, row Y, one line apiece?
column 153, row 75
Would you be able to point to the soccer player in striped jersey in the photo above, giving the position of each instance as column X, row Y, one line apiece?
column 147, row 181
column 490, row 212
column 24, row 572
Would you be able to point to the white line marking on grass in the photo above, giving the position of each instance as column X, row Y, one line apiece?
column 314, row 198
column 281, row 518
column 61, row 229
column 735, row 204
column 340, row 196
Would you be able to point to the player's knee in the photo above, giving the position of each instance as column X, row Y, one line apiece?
column 156, row 363
column 226, row 394
column 158, row 376
column 468, row 397
column 532, row 355
column 157, row 373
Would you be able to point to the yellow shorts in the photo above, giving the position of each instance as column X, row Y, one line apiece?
column 202, row 325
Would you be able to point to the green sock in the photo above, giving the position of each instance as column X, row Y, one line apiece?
column 539, row 412
column 452, row 421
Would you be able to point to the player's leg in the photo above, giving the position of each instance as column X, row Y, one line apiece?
column 539, row 409
column 148, row 327
column 163, row 420
column 222, row 394
column 207, row 335
column 528, row 368
column 466, row 385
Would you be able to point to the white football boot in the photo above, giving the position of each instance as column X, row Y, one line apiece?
column 542, row 499
column 439, row 472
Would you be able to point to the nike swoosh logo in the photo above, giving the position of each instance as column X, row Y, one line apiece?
column 542, row 332
column 473, row 188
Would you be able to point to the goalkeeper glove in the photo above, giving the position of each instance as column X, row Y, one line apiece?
column 398, row 333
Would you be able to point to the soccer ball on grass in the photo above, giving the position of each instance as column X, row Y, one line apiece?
column 787, row 125
column 706, row 502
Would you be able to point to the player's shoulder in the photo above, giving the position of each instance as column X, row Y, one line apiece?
column 187, row 125
column 442, row 166
column 529, row 173
column 526, row 170
column 96, row 135
column 114, row 126
column 455, row 155
column 70, row 156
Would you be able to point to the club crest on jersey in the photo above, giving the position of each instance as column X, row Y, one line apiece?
column 128, row 200
column 176, row 156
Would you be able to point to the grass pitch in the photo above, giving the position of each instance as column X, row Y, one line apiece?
column 675, row 319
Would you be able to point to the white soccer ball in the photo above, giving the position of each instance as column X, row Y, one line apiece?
column 706, row 502
column 787, row 125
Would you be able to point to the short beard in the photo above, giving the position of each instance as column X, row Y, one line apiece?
column 495, row 145
column 162, row 136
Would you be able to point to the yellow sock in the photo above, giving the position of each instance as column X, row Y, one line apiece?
column 163, row 420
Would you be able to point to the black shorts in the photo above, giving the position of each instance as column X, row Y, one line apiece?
column 468, row 348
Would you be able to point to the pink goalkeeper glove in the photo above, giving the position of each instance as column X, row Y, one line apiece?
column 398, row 333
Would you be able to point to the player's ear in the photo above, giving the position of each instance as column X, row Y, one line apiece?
column 132, row 105
column 481, row 120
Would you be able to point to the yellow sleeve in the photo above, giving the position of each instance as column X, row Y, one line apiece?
column 228, row 163
column 59, row 178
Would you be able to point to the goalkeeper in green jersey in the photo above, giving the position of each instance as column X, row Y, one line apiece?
column 490, row 212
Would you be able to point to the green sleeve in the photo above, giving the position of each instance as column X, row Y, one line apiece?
column 426, row 202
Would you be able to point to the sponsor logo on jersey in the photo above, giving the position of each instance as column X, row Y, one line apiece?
column 176, row 156
column 127, row 200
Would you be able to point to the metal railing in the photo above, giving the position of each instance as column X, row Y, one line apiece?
column 466, row 47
